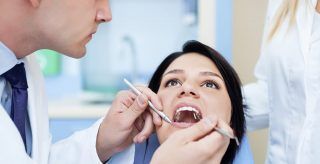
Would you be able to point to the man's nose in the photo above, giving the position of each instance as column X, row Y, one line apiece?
column 103, row 12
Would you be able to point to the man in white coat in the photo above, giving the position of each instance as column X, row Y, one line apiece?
column 67, row 26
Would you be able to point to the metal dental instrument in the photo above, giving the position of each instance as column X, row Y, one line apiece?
column 225, row 133
column 221, row 131
column 137, row 92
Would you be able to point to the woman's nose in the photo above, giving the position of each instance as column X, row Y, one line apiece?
column 104, row 12
column 188, row 90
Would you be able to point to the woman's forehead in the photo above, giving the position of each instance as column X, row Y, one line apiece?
column 194, row 62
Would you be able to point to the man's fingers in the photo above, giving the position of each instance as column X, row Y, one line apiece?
column 136, row 109
column 215, row 138
column 123, row 100
column 129, row 98
column 146, row 130
column 153, row 97
column 211, row 145
column 200, row 129
column 126, row 103
column 156, row 118
column 225, row 127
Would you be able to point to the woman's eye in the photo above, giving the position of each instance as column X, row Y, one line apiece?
column 172, row 83
column 210, row 84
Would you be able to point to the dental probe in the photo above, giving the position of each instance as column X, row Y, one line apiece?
column 222, row 132
column 225, row 133
column 137, row 92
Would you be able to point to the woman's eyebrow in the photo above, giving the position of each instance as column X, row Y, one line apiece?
column 208, row 73
column 174, row 71
column 204, row 73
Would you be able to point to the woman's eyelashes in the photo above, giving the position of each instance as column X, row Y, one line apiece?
column 172, row 83
column 207, row 83
column 210, row 84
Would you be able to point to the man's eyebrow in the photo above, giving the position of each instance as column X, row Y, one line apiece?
column 208, row 73
column 174, row 71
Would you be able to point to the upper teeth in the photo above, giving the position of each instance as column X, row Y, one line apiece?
column 196, row 114
column 187, row 108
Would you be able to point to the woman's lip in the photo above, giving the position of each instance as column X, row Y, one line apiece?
column 91, row 34
column 187, row 105
column 182, row 124
column 89, row 37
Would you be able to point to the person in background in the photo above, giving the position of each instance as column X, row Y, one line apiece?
column 65, row 26
column 286, row 96
column 194, row 84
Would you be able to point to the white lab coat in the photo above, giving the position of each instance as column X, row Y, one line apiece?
column 79, row 148
column 286, row 96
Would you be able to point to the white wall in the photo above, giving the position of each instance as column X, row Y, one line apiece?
column 207, row 22
column 248, row 25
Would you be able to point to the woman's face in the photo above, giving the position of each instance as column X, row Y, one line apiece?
column 192, row 88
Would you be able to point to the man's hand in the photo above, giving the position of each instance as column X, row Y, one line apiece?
column 196, row 144
column 127, row 121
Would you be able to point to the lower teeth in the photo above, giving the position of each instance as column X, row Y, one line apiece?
column 194, row 116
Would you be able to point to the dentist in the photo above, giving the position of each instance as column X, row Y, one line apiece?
column 286, row 96
column 65, row 26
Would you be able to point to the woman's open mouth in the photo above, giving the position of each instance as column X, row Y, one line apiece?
column 186, row 116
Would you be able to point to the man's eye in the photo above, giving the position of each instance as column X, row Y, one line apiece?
column 172, row 83
column 210, row 84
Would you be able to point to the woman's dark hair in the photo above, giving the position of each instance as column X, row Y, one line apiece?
column 231, row 80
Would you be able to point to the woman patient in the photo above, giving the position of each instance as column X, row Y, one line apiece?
column 192, row 84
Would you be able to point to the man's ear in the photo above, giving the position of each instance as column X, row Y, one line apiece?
column 35, row 3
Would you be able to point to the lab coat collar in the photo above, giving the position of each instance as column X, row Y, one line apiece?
column 37, row 106
column 7, row 59
column 37, row 109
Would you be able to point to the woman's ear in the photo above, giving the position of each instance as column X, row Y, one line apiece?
column 35, row 3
